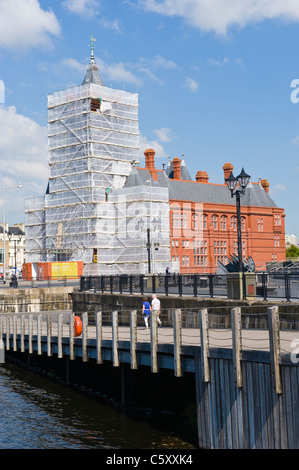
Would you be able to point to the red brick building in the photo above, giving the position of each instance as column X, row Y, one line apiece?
column 203, row 221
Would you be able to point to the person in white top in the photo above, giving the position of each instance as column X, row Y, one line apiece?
column 156, row 308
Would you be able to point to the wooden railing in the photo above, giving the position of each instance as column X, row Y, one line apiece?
column 48, row 331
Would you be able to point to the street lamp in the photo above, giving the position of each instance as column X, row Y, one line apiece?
column 232, row 182
column 149, row 241
column 5, row 188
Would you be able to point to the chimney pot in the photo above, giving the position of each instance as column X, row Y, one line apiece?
column 150, row 163
column 202, row 177
column 227, row 168
column 176, row 168
column 149, row 159
column 265, row 184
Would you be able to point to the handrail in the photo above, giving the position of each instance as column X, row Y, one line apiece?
column 33, row 329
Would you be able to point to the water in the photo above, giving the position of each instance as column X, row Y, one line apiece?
column 36, row 413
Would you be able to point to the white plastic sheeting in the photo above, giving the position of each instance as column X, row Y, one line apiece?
column 87, row 211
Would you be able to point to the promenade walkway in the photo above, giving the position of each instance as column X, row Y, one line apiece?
column 251, row 338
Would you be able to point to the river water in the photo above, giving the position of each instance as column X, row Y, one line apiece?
column 37, row 413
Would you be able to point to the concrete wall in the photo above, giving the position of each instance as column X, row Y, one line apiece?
column 35, row 300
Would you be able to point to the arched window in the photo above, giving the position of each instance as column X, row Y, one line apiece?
column 214, row 220
column 194, row 221
column 223, row 222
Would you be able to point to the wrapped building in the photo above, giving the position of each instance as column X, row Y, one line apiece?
column 86, row 213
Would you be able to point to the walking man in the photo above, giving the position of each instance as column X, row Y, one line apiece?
column 156, row 308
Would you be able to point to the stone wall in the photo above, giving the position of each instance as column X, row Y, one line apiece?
column 35, row 299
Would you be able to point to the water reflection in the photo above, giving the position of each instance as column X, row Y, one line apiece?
column 37, row 413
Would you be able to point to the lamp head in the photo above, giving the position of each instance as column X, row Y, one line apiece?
column 231, row 182
column 243, row 179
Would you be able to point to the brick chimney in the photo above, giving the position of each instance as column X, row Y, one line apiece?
column 265, row 184
column 202, row 177
column 150, row 163
column 176, row 168
column 227, row 168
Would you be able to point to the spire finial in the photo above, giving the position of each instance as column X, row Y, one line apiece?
column 92, row 41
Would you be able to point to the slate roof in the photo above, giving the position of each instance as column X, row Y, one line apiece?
column 185, row 175
column 183, row 190
column 93, row 76
column 13, row 231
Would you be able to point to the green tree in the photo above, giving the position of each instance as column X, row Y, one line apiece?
column 292, row 252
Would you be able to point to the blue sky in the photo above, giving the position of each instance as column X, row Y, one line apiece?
column 213, row 77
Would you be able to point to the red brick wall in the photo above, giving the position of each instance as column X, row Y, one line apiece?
column 213, row 235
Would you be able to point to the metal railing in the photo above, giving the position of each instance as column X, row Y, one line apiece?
column 266, row 285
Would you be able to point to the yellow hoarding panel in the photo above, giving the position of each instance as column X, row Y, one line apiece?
column 60, row 270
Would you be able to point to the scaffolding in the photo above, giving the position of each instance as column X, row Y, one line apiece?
column 86, row 213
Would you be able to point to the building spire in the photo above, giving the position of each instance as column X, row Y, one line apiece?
column 92, row 41
column 92, row 74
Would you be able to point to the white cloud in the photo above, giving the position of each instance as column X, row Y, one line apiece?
column 218, row 63
column 144, row 144
column 277, row 189
column 113, row 25
column 148, row 66
column 74, row 65
column 225, row 61
column 159, row 61
column 163, row 134
column 296, row 140
column 86, row 8
column 118, row 72
column 24, row 24
column 23, row 157
column 191, row 84
column 220, row 16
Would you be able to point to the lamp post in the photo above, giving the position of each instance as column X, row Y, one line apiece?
column 231, row 182
column 5, row 188
column 149, row 241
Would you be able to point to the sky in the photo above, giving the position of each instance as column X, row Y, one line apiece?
column 217, row 80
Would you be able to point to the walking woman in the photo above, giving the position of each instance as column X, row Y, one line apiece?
column 146, row 310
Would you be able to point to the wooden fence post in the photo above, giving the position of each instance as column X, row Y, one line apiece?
column 84, row 336
column 99, row 337
column 39, row 345
column 14, row 326
column 236, row 333
column 177, row 338
column 154, row 343
column 273, row 324
column 133, row 338
column 49, row 334
column 204, row 344
column 115, row 358
column 71, row 326
column 59, row 335
column 30, row 333
column 7, row 332
column 22, row 333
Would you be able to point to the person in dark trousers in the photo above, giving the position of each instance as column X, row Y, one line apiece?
column 146, row 310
